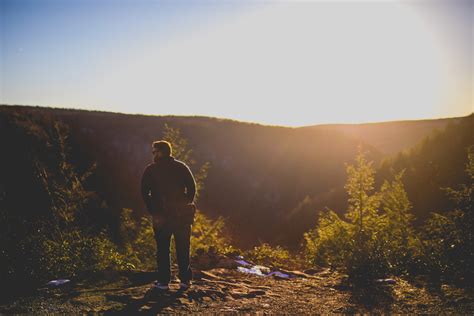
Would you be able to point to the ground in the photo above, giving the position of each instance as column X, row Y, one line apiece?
column 226, row 290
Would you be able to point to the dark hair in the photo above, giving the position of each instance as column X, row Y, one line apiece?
column 163, row 146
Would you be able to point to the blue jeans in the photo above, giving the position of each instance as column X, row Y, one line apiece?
column 163, row 230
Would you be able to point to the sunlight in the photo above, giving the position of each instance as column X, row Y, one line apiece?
column 290, row 64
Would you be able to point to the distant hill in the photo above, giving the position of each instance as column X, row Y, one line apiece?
column 436, row 161
column 258, row 173
column 389, row 137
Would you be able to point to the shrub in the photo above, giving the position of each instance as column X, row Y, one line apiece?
column 265, row 254
column 448, row 240
column 376, row 239
column 46, row 207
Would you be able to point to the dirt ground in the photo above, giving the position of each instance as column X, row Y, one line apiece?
column 225, row 290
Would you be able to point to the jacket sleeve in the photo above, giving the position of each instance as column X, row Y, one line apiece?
column 190, row 184
column 145, row 189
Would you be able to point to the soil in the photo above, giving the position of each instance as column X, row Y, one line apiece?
column 226, row 290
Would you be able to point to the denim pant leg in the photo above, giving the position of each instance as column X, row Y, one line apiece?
column 182, row 235
column 163, row 238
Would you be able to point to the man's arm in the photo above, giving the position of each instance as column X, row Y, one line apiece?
column 145, row 188
column 190, row 184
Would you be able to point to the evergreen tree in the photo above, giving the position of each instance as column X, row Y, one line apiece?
column 449, row 239
column 377, row 239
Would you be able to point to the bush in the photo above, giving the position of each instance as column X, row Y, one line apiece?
column 44, row 212
column 448, row 240
column 330, row 243
column 376, row 239
column 265, row 254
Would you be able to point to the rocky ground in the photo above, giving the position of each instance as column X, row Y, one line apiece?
column 223, row 289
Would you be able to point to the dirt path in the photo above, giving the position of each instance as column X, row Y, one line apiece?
column 229, row 291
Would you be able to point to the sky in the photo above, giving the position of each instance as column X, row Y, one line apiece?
column 291, row 63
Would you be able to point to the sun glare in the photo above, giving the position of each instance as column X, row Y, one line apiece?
column 289, row 64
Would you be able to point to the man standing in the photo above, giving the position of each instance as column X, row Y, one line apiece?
column 168, row 189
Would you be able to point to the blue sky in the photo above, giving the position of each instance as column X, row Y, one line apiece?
column 283, row 63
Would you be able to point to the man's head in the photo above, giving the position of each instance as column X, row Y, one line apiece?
column 161, row 148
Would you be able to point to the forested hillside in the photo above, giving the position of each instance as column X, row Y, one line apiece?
column 389, row 137
column 436, row 162
column 263, row 178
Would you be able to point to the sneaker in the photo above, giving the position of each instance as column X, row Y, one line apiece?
column 161, row 286
column 184, row 285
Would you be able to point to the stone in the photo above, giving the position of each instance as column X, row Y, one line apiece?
column 228, row 263
column 311, row 271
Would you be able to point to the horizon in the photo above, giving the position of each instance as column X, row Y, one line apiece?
column 276, row 63
column 231, row 119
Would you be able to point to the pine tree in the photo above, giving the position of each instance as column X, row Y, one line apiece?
column 363, row 202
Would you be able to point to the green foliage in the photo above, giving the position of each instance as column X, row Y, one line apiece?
column 330, row 243
column 75, row 253
column 436, row 162
column 267, row 255
column 362, row 204
column 377, row 238
column 138, row 240
column 207, row 233
column 397, row 230
column 448, row 240
column 49, row 232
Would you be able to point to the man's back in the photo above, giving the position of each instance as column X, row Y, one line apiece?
column 166, row 183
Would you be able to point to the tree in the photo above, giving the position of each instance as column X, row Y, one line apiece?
column 398, row 232
column 376, row 236
column 183, row 153
column 449, row 238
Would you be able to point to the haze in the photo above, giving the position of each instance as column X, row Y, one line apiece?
column 279, row 63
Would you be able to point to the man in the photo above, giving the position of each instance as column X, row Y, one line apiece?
column 168, row 188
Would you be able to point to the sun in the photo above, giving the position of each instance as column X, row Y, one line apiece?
column 291, row 64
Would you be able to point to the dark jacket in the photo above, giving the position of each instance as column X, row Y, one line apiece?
column 167, row 183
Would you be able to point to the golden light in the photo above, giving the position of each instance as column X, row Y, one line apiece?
column 289, row 64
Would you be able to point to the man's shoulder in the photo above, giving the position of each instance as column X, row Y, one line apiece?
column 180, row 163
column 150, row 166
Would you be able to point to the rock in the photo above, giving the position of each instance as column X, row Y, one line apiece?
column 325, row 272
column 203, row 261
column 228, row 310
column 311, row 271
column 277, row 277
column 261, row 287
column 184, row 301
column 257, row 292
column 212, row 250
column 210, row 275
column 263, row 269
column 228, row 263
column 385, row 281
column 244, row 308
column 296, row 273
